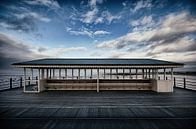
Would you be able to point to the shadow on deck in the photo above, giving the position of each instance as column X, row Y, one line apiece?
column 89, row 109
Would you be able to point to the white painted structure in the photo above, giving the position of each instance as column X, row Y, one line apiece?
column 103, row 74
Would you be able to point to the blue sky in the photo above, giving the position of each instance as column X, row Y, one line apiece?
column 32, row 29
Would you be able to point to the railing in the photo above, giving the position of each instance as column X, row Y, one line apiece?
column 185, row 83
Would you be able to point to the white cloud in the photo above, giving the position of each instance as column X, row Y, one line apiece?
column 109, row 17
column 141, row 4
column 53, row 4
column 86, row 32
column 33, row 15
column 93, row 3
column 90, row 16
column 142, row 21
column 13, row 48
column 169, row 36
column 171, row 25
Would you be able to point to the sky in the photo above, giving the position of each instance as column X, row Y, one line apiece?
column 159, row 29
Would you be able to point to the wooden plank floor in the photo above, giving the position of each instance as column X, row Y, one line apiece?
column 106, row 109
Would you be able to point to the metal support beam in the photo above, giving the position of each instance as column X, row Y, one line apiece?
column 24, row 88
column 72, row 73
column 117, row 73
column 53, row 73
column 31, row 74
column 97, row 80
column 91, row 74
column 104, row 73
column 136, row 73
column 123, row 73
column 85, row 73
column 78, row 73
column 110, row 73
column 46, row 73
column 59, row 73
column 164, row 75
column 142, row 73
column 130, row 73
column 39, row 89
column 66, row 73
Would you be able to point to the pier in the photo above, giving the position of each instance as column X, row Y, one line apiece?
column 106, row 109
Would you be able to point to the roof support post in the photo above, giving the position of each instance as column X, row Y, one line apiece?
column 117, row 73
column 66, row 73
column 110, row 73
column 42, row 73
column 123, row 73
column 38, row 80
column 172, row 73
column 149, row 73
column 72, row 73
column 164, row 76
column 91, row 73
column 104, row 73
column 85, row 73
column 53, row 70
column 50, row 73
column 156, row 74
column 130, row 73
column 24, row 88
column 31, row 74
column 59, row 73
column 136, row 70
column 146, row 73
column 97, row 80
column 142, row 73
column 46, row 73
column 78, row 73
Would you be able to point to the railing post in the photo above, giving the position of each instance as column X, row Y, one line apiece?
column 29, row 80
column 21, row 82
column 10, row 83
column 37, row 79
column 174, row 81
column 184, row 83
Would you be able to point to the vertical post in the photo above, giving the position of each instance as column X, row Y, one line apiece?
column 59, row 73
column 42, row 72
column 97, row 80
column 164, row 74
column 174, row 82
column 136, row 73
column 46, row 73
column 31, row 74
column 110, row 73
column 10, row 83
column 66, row 73
column 91, row 73
column 172, row 74
column 72, row 73
column 123, row 73
column 84, row 73
column 50, row 73
column 146, row 73
column 53, row 73
column 156, row 74
column 117, row 73
column 78, row 73
column 39, row 89
column 142, row 73
column 24, row 88
column 130, row 73
column 149, row 73
column 153, row 74
column 184, row 83
column 104, row 73
column 20, row 81
column 29, row 79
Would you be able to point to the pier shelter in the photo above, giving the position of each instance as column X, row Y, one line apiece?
column 98, row 74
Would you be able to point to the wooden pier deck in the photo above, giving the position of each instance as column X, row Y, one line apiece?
column 92, row 110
